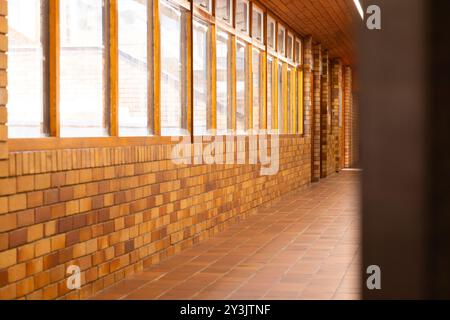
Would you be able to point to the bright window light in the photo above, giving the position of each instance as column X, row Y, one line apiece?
column 360, row 9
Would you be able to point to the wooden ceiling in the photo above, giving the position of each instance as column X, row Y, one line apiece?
column 330, row 22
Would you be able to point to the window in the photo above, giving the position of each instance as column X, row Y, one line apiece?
column 290, row 46
column 133, row 68
column 257, row 24
column 205, row 4
column 242, row 15
column 271, row 30
column 81, row 69
column 26, row 69
column 173, row 70
column 241, row 91
column 281, row 40
column 269, row 92
column 223, row 85
column 298, row 51
column 224, row 10
column 289, row 101
column 280, row 98
column 201, row 83
column 299, row 102
column 257, row 87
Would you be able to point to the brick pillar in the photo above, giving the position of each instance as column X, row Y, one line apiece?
column 317, row 71
column 336, row 104
column 3, row 91
column 325, row 117
column 307, row 84
column 348, row 102
column 355, row 133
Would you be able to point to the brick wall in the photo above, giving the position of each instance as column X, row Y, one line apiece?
column 114, row 211
column 325, row 117
column 348, row 114
column 3, row 91
column 317, row 72
column 336, row 100
column 307, row 84
column 355, row 133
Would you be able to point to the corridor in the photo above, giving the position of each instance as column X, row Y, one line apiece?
column 303, row 246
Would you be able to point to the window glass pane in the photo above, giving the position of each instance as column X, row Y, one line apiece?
column 242, row 13
column 133, row 84
column 280, row 99
column 299, row 103
column 201, row 90
column 290, row 47
column 205, row 4
column 173, row 74
column 256, row 89
column 271, row 34
column 298, row 51
column 269, row 93
column 241, row 94
column 257, row 25
column 25, row 69
column 289, row 107
column 223, row 86
column 281, row 40
column 224, row 10
column 81, row 70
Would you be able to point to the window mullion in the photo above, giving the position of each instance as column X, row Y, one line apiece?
column 190, row 71
column 212, row 78
column 54, row 71
column 156, row 70
column 249, row 64
column 112, row 67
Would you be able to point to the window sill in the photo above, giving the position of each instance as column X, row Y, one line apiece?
column 53, row 143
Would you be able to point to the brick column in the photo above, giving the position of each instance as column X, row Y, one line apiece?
column 325, row 117
column 3, row 91
column 317, row 71
column 336, row 104
column 355, row 134
column 307, row 84
column 348, row 116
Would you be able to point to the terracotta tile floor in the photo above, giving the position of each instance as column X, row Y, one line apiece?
column 304, row 246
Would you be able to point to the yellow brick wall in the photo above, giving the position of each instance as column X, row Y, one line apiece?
column 3, row 84
column 336, row 103
column 317, row 98
column 114, row 211
column 348, row 114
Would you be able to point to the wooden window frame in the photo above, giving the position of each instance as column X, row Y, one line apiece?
column 230, row 80
column 298, row 53
column 300, row 103
column 115, row 24
column 54, row 141
column 231, row 18
column 249, row 18
column 290, row 55
column 292, row 100
column 260, row 11
column 211, row 76
column 272, row 46
column 248, row 84
column 186, row 94
column 279, row 50
column 262, row 91
column 211, row 6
